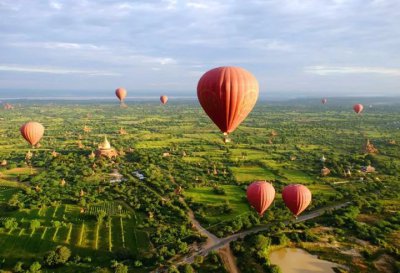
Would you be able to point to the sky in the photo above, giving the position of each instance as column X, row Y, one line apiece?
column 293, row 47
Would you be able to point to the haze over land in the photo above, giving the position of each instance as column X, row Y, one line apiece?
column 294, row 48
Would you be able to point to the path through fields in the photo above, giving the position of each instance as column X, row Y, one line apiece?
column 226, row 254
column 225, row 241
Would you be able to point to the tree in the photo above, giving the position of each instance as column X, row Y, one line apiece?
column 18, row 267
column 56, row 224
column 274, row 269
column 188, row 269
column 34, row 224
column 57, row 257
column 173, row 269
column 100, row 216
column 102, row 270
column 121, row 268
column 35, row 268
column 10, row 223
column 14, row 202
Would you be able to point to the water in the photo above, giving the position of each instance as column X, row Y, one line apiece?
column 295, row 260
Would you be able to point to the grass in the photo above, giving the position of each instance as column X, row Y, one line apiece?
column 295, row 176
column 235, row 195
column 6, row 193
column 247, row 174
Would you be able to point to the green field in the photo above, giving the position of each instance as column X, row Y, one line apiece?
column 80, row 233
column 234, row 195
column 247, row 174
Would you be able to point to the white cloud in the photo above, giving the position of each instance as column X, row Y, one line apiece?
column 56, row 5
column 9, row 5
column 54, row 70
column 326, row 70
column 56, row 45
column 197, row 5
column 125, row 6
column 171, row 4
column 271, row 45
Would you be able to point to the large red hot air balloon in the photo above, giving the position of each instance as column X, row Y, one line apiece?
column 297, row 198
column 260, row 195
column 163, row 99
column 121, row 93
column 324, row 101
column 227, row 95
column 32, row 132
column 358, row 108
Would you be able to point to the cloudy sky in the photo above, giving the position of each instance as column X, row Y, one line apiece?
column 293, row 47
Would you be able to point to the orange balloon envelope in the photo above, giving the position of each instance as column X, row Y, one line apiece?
column 227, row 95
column 297, row 198
column 358, row 108
column 324, row 101
column 260, row 195
column 121, row 93
column 163, row 99
column 32, row 132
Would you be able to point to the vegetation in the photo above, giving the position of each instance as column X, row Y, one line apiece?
column 173, row 160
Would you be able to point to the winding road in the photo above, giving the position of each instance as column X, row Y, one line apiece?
column 214, row 243
column 220, row 243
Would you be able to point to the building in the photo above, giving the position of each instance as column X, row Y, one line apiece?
column 105, row 150
column 62, row 182
column 116, row 177
column 368, row 169
column 369, row 148
column 87, row 129
column 325, row 171
column 139, row 175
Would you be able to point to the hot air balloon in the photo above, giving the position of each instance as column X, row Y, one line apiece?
column 121, row 94
column 358, row 108
column 227, row 95
column 324, row 101
column 260, row 195
column 32, row 131
column 163, row 99
column 297, row 198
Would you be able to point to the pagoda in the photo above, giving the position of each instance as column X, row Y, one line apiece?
column 105, row 149
column 369, row 148
column 325, row 171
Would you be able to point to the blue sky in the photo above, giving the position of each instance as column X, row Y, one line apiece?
column 293, row 47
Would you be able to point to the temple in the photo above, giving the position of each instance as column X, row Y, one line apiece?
column 369, row 148
column 105, row 149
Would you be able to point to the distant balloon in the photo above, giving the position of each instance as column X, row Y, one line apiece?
column 260, row 195
column 121, row 93
column 358, row 108
column 324, row 101
column 227, row 95
column 163, row 99
column 297, row 198
column 32, row 132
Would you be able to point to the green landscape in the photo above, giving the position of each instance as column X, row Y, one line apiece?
column 65, row 209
